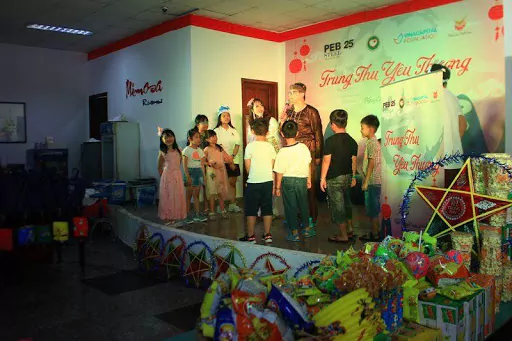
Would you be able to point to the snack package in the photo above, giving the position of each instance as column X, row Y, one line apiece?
column 225, row 326
column 211, row 302
column 247, row 293
column 324, row 278
column 463, row 242
column 370, row 248
column 507, row 284
column 344, row 259
column 269, row 326
column 411, row 300
column 278, row 280
column 445, row 274
column 490, row 254
column 289, row 309
column 459, row 291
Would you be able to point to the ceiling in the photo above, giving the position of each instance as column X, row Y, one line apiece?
column 112, row 20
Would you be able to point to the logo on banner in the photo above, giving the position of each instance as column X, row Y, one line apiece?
column 401, row 103
column 335, row 50
column 373, row 43
column 460, row 28
column 388, row 104
column 415, row 36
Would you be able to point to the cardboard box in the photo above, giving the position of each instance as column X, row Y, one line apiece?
column 415, row 332
column 488, row 284
column 458, row 320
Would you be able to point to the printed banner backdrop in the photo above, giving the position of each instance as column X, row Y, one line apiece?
column 345, row 68
column 412, row 137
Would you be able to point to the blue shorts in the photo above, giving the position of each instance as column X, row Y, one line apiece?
column 196, row 177
column 372, row 201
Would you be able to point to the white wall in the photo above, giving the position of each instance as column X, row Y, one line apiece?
column 220, row 61
column 508, row 72
column 52, row 83
column 166, row 58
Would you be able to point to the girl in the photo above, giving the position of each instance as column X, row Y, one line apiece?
column 201, row 125
column 171, row 205
column 229, row 139
column 216, row 175
column 193, row 164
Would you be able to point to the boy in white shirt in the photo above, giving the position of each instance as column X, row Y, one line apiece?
column 259, row 161
column 293, row 179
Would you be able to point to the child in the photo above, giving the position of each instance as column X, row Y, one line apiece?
column 171, row 204
column 338, row 174
column 372, row 178
column 216, row 174
column 193, row 164
column 201, row 125
column 293, row 179
column 259, row 161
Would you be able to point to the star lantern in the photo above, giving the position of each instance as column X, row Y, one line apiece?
column 459, row 204
column 197, row 266
column 496, row 14
column 173, row 252
column 141, row 239
column 151, row 252
column 269, row 266
column 230, row 259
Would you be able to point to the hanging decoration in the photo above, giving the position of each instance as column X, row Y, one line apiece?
column 151, row 252
column 172, row 254
column 230, row 258
column 194, row 265
column 496, row 14
column 269, row 265
column 304, row 52
column 423, row 174
column 309, row 266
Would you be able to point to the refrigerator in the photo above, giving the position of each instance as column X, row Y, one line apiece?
column 120, row 150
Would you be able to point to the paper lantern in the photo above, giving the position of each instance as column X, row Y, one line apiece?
column 418, row 263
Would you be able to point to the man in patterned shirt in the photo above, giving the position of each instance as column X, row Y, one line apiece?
column 309, row 133
column 372, row 177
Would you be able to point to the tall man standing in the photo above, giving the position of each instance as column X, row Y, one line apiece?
column 309, row 133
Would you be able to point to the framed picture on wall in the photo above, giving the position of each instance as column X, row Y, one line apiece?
column 13, row 123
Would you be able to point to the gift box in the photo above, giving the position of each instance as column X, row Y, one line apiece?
column 60, row 231
column 488, row 284
column 6, row 242
column 26, row 235
column 490, row 255
column 80, row 227
column 458, row 320
column 506, row 296
column 43, row 234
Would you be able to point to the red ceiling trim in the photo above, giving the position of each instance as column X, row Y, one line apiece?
column 408, row 6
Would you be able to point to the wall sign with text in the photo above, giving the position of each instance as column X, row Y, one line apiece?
column 148, row 89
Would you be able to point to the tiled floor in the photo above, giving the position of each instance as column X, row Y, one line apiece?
column 233, row 228
column 111, row 300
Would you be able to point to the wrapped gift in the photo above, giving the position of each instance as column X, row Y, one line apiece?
column 463, row 242
column 6, row 241
column 60, row 231
column 506, row 296
column 499, row 185
column 499, row 290
column 488, row 284
column 490, row 256
column 458, row 320
column 43, row 234
column 80, row 227
column 26, row 235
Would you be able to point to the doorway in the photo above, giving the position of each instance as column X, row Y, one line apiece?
column 98, row 113
column 267, row 92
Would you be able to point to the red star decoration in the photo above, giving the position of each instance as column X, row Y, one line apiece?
column 270, row 268
column 459, row 204
column 197, row 266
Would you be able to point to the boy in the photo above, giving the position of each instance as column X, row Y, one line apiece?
column 338, row 174
column 259, row 161
column 372, row 178
column 293, row 179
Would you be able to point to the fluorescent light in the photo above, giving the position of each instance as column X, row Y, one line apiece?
column 59, row 29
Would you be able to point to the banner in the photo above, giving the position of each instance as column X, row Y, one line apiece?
column 345, row 68
column 412, row 137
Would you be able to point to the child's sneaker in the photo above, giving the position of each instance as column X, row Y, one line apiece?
column 267, row 238
column 234, row 208
column 189, row 220
column 224, row 214
column 246, row 238
column 211, row 216
column 199, row 218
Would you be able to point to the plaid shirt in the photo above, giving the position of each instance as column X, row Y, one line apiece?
column 372, row 151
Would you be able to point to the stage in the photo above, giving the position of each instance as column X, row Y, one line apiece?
column 128, row 220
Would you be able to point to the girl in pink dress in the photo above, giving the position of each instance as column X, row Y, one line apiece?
column 216, row 175
column 171, row 206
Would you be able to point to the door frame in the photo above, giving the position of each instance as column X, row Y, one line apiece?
column 91, row 99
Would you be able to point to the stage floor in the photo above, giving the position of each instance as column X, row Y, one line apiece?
column 233, row 228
